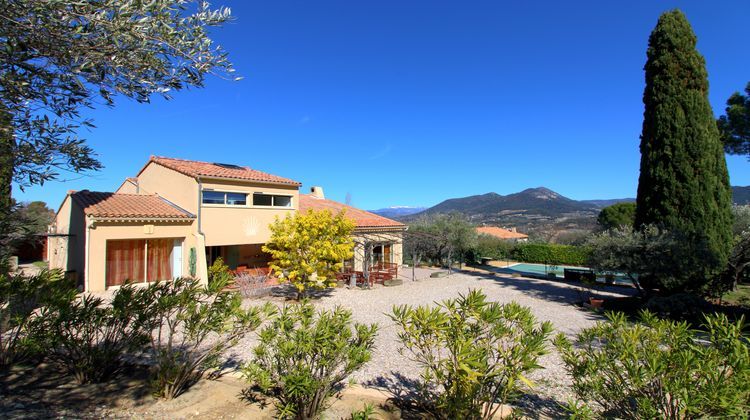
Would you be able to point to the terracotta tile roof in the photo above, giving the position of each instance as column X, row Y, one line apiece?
column 127, row 206
column 194, row 168
column 501, row 233
column 362, row 219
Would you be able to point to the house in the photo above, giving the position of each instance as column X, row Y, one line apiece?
column 175, row 217
column 377, row 239
column 510, row 235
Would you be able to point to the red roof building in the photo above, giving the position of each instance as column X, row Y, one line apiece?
column 501, row 233
column 362, row 219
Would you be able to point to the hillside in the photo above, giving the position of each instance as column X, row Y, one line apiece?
column 539, row 212
column 741, row 195
column 533, row 201
column 398, row 211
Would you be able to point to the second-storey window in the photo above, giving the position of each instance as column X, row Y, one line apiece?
column 270, row 200
column 228, row 198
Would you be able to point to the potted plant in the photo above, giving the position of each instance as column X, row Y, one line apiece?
column 609, row 278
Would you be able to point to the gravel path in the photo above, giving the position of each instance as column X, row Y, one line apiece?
column 549, row 301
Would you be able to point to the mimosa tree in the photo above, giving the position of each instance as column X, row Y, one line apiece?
column 307, row 249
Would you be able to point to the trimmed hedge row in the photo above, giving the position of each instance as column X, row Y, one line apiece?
column 550, row 254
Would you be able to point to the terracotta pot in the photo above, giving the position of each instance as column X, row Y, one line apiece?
column 596, row 303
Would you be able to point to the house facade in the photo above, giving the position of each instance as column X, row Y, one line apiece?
column 175, row 217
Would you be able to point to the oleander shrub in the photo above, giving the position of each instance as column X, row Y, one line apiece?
column 219, row 272
column 659, row 368
column 474, row 354
column 192, row 326
column 542, row 253
column 90, row 337
column 21, row 298
column 303, row 357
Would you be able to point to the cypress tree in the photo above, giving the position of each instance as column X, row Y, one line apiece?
column 684, row 184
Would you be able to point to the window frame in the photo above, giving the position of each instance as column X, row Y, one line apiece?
column 273, row 200
column 226, row 202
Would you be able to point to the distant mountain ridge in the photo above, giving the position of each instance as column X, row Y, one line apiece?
column 398, row 211
column 540, row 202
column 533, row 201
column 606, row 203
column 741, row 195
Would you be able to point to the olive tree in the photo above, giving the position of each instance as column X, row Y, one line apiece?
column 60, row 57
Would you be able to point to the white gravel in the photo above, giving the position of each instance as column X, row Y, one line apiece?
column 549, row 300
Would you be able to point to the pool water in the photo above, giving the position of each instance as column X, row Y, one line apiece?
column 543, row 270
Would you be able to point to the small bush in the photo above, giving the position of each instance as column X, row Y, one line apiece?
column 192, row 327
column 302, row 359
column 660, row 368
column 475, row 354
column 89, row 337
column 366, row 413
column 219, row 272
column 20, row 299
column 491, row 247
column 679, row 307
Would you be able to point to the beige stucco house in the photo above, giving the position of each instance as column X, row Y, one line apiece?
column 175, row 217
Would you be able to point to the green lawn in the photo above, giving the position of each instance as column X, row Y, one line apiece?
column 40, row 264
column 739, row 296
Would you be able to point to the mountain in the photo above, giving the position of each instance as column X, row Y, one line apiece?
column 539, row 212
column 533, row 201
column 398, row 211
column 606, row 203
column 741, row 195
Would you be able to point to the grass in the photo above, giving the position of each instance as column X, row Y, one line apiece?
column 40, row 264
column 738, row 297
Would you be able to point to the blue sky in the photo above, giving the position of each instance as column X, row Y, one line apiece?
column 413, row 102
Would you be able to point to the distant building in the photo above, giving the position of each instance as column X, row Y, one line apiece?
column 510, row 235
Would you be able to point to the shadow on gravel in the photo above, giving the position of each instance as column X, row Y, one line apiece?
column 404, row 391
column 553, row 290
column 46, row 392
column 410, row 402
column 289, row 292
column 538, row 407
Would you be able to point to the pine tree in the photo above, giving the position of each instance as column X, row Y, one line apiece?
column 684, row 184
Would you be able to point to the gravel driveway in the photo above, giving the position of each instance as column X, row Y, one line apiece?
column 549, row 301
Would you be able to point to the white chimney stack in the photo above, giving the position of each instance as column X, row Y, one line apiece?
column 317, row 192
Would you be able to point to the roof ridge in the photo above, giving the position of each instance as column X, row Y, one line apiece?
column 175, row 206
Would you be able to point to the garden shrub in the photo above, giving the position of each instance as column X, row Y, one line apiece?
column 193, row 325
column 660, row 368
column 542, row 253
column 89, row 337
column 680, row 307
column 475, row 354
column 20, row 299
column 220, row 273
column 489, row 247
column 302, row 359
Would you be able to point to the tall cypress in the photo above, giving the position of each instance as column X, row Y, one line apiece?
column 684, row 184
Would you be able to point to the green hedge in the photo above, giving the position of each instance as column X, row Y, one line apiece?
column 550, row 254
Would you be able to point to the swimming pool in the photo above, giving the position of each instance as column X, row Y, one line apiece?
column 543, row 270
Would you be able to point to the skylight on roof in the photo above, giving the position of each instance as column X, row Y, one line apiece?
column 228, row 165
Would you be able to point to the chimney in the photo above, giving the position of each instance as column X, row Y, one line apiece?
column 317, row 192
column 513, row 229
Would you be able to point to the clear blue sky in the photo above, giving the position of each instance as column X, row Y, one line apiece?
column 412, row 102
